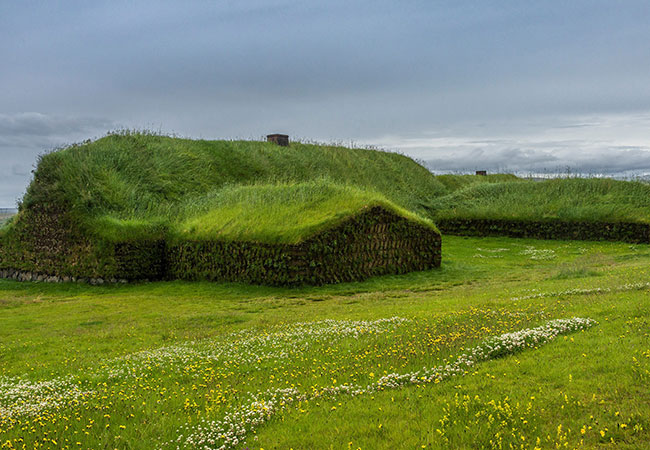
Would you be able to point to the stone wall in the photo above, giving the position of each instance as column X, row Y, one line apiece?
column 33, row 276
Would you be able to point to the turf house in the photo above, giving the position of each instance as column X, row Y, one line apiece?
column 133, row 206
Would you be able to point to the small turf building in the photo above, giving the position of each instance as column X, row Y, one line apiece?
column 136, row 206
column 372, row 241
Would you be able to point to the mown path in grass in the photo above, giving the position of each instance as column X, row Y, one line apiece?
column 142, row 366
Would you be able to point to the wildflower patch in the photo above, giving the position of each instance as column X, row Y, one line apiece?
column 586, row 291
column 233, row 428
column 213, row 392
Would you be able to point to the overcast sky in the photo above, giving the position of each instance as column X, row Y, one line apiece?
column 510, row 85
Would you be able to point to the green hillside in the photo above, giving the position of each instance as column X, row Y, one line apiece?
column 573, row 199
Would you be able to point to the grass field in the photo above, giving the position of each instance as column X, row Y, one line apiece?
column 393, row 362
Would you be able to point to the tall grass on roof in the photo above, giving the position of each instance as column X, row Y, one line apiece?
column 279, row 213
column 147, row 177
column 454, row 182
column 573, row 199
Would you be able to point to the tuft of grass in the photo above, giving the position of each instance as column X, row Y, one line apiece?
column 567, row 273
column 455, row 182
column 5, row 219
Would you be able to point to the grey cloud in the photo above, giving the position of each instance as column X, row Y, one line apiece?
column 460, row 83
column 494, row 159
column 35, row 125
column 547, row 157
column 24, row 136
column 456, row 58
column 10, row 188
column 608, row 144
column 20, row 170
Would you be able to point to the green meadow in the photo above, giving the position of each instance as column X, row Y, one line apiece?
column 379, row 364
column 510, row 344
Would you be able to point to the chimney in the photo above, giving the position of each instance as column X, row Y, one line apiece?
column 280, row 139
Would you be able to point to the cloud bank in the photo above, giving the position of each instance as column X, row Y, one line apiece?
column 24, row 136
column 599, row 145
column 464, row 84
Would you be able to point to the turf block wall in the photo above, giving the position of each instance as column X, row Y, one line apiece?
column 45, row 242
column 49, row 243
column 374, row 242
column 632, row 232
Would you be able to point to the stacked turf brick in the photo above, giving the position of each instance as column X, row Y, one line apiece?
column 47, row 243
column 637, row 233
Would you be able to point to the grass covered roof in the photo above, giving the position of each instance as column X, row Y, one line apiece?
column 571, row 200
column 130, row 185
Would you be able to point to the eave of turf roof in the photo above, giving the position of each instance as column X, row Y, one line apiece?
column 282, row 213
column 282, row 232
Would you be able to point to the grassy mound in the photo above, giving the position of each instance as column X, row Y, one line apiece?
column 575, row 199
column 145, row 178
column 587, row 209
column 279, row 213
column 116, row 206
